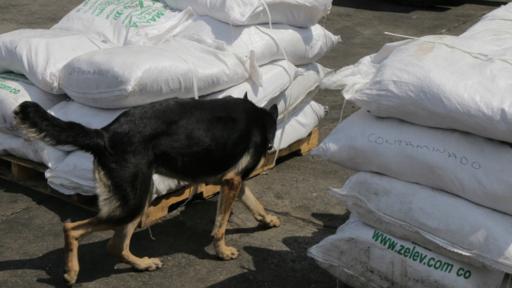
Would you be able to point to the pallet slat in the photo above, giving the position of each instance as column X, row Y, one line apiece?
column 31, row 175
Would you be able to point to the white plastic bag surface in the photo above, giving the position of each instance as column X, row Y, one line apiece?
column 105, row 79
column 451, row 82
column 275, row 78
column 281, row 84
column 124, row 22
column 466, row 165
column 32, row 150
column 15, row 89
column 299, row 124
column 434, row 219
column 40, row 54
column 364, row 257
column 88, row 116
column 301, row 45
column 247, row 12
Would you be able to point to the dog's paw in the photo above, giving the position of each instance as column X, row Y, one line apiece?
column 70, row 277
column 227, row 253
column 147, row 264
column 271, row 221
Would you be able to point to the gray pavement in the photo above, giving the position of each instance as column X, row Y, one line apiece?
column 31, row 238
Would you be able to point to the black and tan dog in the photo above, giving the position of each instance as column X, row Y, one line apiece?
column 200, row 141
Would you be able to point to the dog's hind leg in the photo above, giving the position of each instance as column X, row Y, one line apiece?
column 229, row 192
column 119, row 246
column 73, row 231
column 257, row 209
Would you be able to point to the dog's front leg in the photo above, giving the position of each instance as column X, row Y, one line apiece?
column 228, row 194
column 73, row 231
column 119, row 246
column 257, row 209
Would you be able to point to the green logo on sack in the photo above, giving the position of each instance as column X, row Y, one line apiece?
column 4, row 85
column 132, row 13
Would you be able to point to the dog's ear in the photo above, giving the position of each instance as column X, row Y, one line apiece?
column 274, row 111
column 245, row 96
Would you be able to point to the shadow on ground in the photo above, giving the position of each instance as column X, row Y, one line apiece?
column 408, row 6
column 273, row 268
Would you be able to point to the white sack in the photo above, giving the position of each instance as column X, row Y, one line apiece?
column 301, row 45
column 35, row 151
column 299, row 124
column 105, row 79
column 74, row 174
column 302, row 90
column 364, row 257
column 124, row 22
column 281, row 84
column 466, row 165
column 275, row 78
column 40, row 54
column 15, row 89
column 498, row 20
column 88, row 116
column 434, row 219
column 247, row 12
column 451, row 82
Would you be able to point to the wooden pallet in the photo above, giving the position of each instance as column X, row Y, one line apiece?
column 31, row 175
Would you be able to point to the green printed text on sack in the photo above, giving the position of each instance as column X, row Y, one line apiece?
column 132, row 13
column 6, row 87
column 417, row 256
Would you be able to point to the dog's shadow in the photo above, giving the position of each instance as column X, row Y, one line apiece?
column 173, row 237
column 187, row 233
column 292, row 267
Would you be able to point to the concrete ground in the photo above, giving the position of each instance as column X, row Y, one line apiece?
column 31, row 241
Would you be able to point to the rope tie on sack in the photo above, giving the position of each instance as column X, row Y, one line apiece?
column 285, row 56
column 343, row 108
column 477, row 55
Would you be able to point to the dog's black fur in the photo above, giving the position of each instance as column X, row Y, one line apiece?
column 193, row 140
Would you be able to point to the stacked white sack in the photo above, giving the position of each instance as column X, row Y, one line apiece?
column 298, row 116
column 466, row 165
column 364, row 257
column 124, row 22
column 206, row 56
column 472, row 234
column 247, row 12
column 438, row 81
column 298, row 45
column 180, row 55
column 460, row 83
column 40, row 54
column 15, row 89
column 35, row 151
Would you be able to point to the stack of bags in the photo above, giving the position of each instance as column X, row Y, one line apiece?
column 435, row 197
column 108, row 56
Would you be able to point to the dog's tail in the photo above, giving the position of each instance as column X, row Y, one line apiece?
column 36, row 123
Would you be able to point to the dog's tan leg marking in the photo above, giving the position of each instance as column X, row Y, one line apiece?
column 73, row 231
column 229, row 192
column 257, row 209
column 119, row 246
